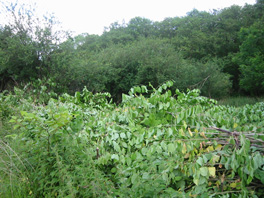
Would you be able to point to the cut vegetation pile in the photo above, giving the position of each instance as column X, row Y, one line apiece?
column 155, row 143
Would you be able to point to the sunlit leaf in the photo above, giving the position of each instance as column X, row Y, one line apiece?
column 212, row 171
column 204, row 171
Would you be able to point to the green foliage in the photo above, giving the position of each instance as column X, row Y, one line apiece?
column 155, row 61
column 156, row 143
column 204, row 50
column 50, row 149
column 250, row 58
column 239, row 101
column 13, row 174
column 17, row 56
column 26, row 44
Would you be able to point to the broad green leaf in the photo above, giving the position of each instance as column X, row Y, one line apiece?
column 139, row 156
column 184, row 125
column 116, row 146
column 233, row 185
column 184, row 148
column 210, row 148
column 258, row 161
column 137, row 89
column 218, row 147
column 170, row 132
column 115, row 136
column 23, row 113
column 165, row 177
column 145, row 176
column 200, row 161
column 215, row 159
column 115, row 156
column 196, row 181
column 124, row 144
column 129, row 161
column 191, row 134
column 171, row 148
column 16, row 126
column 134, row 178
column 123, row 135
column 204, row 171
column 177, row 178
column 170, row 83
column 249, row 179
column 212, row 171
column 144, row 89
column 181, row 132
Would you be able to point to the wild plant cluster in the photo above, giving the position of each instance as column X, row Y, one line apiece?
column 155, row 143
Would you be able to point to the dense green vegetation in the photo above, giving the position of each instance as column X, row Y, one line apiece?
column 240, row 101
column 218, row 52
column 155, row 143
column 72, row 126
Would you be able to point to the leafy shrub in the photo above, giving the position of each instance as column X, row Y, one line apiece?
column 153, row 144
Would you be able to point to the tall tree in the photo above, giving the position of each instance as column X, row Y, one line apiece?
column 250, row 58
column 27, row 42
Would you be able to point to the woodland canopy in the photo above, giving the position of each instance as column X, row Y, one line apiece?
column 219, row 52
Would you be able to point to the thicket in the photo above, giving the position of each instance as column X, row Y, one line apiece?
column 155, row 143
column 63, row 136
column 219, row 52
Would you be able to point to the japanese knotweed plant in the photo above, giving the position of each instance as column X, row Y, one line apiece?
column 62, row 160
column 156, row 143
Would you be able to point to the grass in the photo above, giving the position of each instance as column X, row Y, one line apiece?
column 240, row 101
column 13, row 181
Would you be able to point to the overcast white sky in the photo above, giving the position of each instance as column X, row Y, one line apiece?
column 91, row 16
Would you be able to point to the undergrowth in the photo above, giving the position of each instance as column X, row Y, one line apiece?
column 150, row 145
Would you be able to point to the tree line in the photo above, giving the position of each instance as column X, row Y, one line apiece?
column 220, row 52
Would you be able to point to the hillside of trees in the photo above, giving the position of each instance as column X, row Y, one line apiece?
column 219, row 52
column 156, row 134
